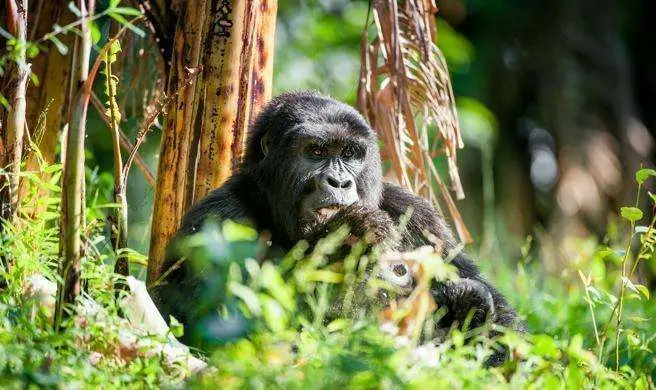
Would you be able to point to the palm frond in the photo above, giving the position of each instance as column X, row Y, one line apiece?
column 406, row 94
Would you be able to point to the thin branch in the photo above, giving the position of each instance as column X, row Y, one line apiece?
column 126, row 144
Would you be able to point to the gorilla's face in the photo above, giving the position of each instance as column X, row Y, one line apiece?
column 333, row 160
column 311, row 156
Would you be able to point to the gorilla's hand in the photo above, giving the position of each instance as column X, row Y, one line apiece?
column 374, row 226
column 461, row 298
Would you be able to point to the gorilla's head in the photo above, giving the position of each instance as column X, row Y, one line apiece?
column 311, row 156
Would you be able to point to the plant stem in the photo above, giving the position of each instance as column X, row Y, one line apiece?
column 72, row 216
column 592, row 313
column 122, row 267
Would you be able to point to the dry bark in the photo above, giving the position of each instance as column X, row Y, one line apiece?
column 231, row 43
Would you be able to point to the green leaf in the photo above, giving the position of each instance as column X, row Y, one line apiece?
column 274, row 315
column 629, row 284
column 233, row 231
column 4, row 102
column 643, row 174
column 478, row 123
column 73, row 8
column 32, row 50
column 325, row 276
column 127, row 11
column 643, row 290
column 176, row 327
column 545, row 346
column 247, row 295
column 61, row 48
column 638, row 319
column 95, row 32
column 631, row 214
column 34, row 79
column 277, row 287
column 126, row 23
column 652, row 196
column 53, row 168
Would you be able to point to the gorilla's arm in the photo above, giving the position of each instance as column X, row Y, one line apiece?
column 180, row 286
column 472, row 291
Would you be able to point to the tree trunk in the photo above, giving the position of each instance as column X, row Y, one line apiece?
column 12, row 123
column 231, row 45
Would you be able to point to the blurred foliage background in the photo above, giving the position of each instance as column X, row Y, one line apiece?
column 556, row 103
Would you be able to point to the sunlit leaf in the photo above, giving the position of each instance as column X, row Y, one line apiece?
column 126, row 11
column 31, row 50
column 124, row 22
column 34, row 79
column 73, row 8
column 271, row 279
column 643, row 290
column 248, row 296
column 629, row 284
column 61, row 48
column 631, row 214
column 325, row 276
column 643, row 174
column 95, row 31
column 478, row 123
column 233, row 231
column 53, row 168
column 177, row 329
column 544, row 345
column 274, row 315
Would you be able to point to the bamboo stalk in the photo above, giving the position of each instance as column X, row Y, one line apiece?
column 72, row 217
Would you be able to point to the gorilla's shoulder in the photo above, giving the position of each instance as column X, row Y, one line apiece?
column 397, row 201
column 230, row 201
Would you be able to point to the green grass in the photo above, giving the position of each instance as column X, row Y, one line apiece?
column 290, row 342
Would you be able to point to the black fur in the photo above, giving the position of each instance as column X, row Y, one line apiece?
column 269, row 189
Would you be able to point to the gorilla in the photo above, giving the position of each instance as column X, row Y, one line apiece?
column 312, row 164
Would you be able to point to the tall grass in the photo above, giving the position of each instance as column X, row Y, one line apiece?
column 300, row 329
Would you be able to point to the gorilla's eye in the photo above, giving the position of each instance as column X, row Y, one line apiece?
column 317, row 151
column 348, row 152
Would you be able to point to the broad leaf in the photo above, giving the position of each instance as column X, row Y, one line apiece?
column 631, row 214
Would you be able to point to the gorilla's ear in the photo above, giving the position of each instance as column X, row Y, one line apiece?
column 264, row 144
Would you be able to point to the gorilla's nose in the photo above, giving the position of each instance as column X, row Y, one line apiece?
column 338, row 183
column 337, row 189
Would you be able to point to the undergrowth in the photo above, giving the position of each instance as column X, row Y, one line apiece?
column 289, row 338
